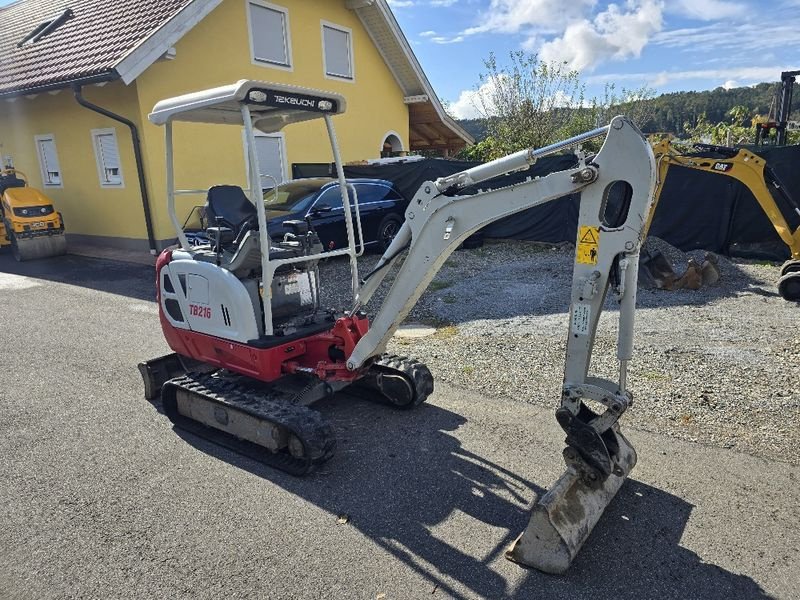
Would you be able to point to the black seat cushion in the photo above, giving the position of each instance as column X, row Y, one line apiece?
column 230, row 205
column 10, row 181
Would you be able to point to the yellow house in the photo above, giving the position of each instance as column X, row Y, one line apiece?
column 78, row 79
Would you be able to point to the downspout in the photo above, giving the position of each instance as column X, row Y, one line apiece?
column 137, row 153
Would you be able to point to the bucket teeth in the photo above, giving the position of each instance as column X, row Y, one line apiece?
column 563, row 518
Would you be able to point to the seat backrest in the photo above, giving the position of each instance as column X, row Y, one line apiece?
column 231, row 204
column 10, row 181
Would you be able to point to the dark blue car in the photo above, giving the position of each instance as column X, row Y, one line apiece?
column 319, row 200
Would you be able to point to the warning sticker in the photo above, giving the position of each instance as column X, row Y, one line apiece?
column 581, row 315
column 588, row 243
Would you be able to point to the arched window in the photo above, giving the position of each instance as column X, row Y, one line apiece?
column 392, row 146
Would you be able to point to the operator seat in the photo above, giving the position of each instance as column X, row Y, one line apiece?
column 228, row 206
column 231, row 216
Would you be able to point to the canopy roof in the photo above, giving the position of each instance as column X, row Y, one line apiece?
column 272, row 105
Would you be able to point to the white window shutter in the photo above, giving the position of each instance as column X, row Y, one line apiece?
column 337, row 52
column 269, row 35
column 108, row 161
column 109, row 151
column 269, row 150
column 51, row 171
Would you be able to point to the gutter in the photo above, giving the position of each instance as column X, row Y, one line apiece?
column 137, row 153
column 50, row 87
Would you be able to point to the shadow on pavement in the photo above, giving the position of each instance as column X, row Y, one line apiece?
column 114, row 277
column 406, row 482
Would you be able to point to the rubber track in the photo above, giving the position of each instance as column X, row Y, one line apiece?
column 415, row 372
column 262, row 402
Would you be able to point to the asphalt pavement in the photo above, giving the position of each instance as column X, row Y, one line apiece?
column 102, row 498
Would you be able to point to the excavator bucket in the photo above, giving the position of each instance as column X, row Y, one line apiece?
column 655, row 270
column 39, row 247
column 563, row 518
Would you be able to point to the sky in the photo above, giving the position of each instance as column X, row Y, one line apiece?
column 666, row 45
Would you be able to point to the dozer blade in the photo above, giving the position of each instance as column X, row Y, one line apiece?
column 157, row 371
column 564, row 517
column 655, row 270
column 40, row 247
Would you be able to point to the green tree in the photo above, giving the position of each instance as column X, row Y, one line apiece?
column 529, row 103
column 526, row 102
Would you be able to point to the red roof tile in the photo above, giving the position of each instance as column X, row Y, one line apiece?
column 90, row 43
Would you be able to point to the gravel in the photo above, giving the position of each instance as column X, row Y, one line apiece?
column 716, row 366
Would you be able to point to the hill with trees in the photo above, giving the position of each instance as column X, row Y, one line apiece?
column 683, row 114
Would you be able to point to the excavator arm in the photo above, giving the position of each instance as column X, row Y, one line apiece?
column 616, row 188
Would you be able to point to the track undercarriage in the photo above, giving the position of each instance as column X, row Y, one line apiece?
column 273, row 422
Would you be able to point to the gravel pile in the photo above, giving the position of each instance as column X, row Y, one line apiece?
column 717, row 366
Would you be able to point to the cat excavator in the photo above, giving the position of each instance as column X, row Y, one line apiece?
column 762, row 181
column 253, row 348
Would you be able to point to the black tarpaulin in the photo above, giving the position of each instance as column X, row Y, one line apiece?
column 697, row 210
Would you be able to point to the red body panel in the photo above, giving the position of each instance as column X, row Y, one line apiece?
column 311, row 354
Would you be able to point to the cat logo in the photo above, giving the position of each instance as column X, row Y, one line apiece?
column 724, row 167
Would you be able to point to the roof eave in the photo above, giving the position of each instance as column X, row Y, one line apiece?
column 161, row 39
column 412, row 59
column 105, row 77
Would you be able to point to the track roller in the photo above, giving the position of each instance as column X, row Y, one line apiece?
column 790, row 266
column 400, row 381
column 789, row 286
column 261, row 421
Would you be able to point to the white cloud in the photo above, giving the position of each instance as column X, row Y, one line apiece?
column 446, row 40
column 730, row 84
column 750, row 37
column 472, row 104
column 708, row 10
column 400, row 3
column 512, row 16
column 729, row 75
column 427, row 33
column 443, row 2
column 613, row 34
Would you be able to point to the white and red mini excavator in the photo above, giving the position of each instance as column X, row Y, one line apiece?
column 253, row 349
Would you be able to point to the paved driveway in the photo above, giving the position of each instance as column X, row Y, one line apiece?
column 101, row 498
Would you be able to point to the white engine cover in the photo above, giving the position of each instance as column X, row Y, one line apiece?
column 211, row 300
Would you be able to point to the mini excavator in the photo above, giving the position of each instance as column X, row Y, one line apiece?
column 28, row 221
column 253, row 349
column 762, row 181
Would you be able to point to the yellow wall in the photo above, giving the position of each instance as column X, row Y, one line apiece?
column 217, row 52
column 87, row 207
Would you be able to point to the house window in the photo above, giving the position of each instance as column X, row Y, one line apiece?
column 48, row 160
column 271, row 154
column 269, row 34
column 337, row 51
column 106, row 151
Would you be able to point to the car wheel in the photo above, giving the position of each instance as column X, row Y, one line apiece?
column 387, row 229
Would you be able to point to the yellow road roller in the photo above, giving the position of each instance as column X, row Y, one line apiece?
column 29, row 222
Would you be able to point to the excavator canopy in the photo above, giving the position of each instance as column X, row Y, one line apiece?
column 272, row 105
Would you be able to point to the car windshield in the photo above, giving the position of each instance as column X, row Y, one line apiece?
column 292, row 197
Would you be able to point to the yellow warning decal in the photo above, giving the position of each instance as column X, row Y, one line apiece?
column 588, row 244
